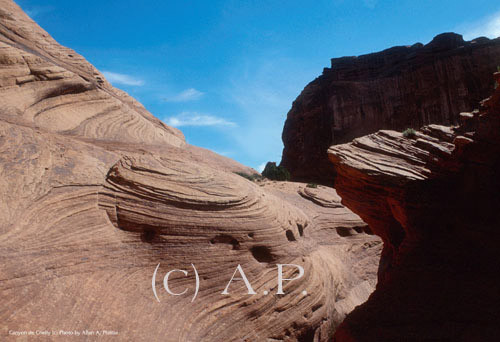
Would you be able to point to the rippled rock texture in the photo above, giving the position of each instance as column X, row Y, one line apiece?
column 95, row 192
column 401, row 87
column 433, row 198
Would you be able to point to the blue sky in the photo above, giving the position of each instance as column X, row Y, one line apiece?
column 226, row 72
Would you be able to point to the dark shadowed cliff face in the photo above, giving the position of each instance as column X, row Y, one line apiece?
column 394, row 89
column 433, row 198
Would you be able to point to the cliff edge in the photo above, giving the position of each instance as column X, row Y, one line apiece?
column 401, row 87
column 432, row 195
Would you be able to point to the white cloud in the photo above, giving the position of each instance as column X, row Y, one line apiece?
column 36, row 11
column 488, row 27
column 223, row 153
column 261, row 167
column 197, row 119
column 262, row 95
column 190, row 94
column 116, row 78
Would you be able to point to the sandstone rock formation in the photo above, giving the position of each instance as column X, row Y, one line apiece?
column 397, row 88
column 95, row 192
column 433, row 198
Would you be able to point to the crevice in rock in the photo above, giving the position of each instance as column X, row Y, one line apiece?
column 300, row 228
column 262, row 254
column 290, row 236
column 148, row 235
column 226, row 239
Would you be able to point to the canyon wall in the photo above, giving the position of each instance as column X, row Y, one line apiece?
column 401, row 87
column 96, row 194
column 433, row 198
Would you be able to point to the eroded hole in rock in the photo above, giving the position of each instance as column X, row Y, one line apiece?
column 307, row 335
column 300, row 229
column 358, row 229
column 226, row 239
column 279, row 309
column 262, row 254
column 344, row 231
column 290, row 236
column 75, row 88
column 316, row 307
column 251, row 235
column 148, row 235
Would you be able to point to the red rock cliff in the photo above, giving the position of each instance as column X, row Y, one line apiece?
column 433, row 198
column 397, row 88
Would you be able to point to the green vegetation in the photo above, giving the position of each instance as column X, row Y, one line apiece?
column 410, row 133
column 312, row 185
column 273, row 172
column 251, row 177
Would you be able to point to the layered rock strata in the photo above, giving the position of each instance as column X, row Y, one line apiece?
column 95, row 193
column 401, row 87
column 433, row 198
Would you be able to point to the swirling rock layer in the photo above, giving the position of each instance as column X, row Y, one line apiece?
column 95, row 193
column 394, row 89
column 433, row 198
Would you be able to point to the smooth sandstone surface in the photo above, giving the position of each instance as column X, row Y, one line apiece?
column 401, row 87
column 95, row 192
column 433, row 198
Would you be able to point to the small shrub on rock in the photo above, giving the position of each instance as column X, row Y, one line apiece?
column 251, row 177
column 273, row 172
column 410, row 133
